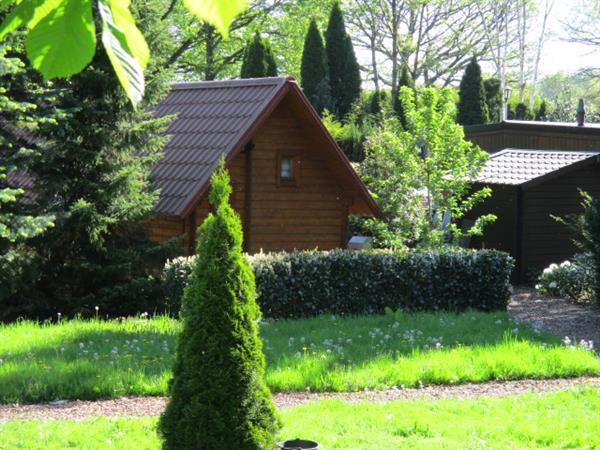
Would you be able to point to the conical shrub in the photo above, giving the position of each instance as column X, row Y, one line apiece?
column 217, row 397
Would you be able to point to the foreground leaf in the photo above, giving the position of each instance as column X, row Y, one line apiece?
column 125, row 46
column 64, row 41
column 219, row 13
column 29, row 13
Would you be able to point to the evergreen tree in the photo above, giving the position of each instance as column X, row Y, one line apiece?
column 344, row 71
column 472, row 108
column 218, row 397
column 19, row 118
column 375, row 107
column 542, row 112
column 259, row 60
column 405, row 80
column 94, row 175
column 314, row 70
column 522, row 112
column 493, row 99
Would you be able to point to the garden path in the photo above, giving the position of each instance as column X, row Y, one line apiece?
column 557, row 316
column 152, row 406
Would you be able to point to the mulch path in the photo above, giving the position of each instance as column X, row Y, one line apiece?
column 153, row 406
column 552, row 314
column 557, row 315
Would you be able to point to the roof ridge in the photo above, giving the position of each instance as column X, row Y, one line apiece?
column 237, row 82
column 547, row 150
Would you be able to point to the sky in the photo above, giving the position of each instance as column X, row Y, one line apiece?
column 561, row 56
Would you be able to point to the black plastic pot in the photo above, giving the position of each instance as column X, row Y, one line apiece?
column 298, row 444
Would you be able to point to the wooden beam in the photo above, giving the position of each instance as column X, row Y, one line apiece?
column 247, row 224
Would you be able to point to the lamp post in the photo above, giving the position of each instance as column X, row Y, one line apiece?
column 505, row 105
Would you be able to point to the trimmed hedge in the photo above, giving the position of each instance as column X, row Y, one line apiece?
column 309, row 283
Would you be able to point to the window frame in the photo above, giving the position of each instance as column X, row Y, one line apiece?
column 294, row 157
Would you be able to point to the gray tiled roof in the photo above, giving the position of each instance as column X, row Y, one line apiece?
column 517, row 166
column 212, row 118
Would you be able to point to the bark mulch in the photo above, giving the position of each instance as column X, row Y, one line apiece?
column 153, row 406
column 557, row 316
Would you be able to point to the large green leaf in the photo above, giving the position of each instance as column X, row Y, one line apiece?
column 219, row 13
column 64, row 41
column 27, row 12
column 125, row 47
column 125, row 22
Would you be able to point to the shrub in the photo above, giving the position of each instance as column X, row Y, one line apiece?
column 218, row 397
column 572, row 279
column 308, row 283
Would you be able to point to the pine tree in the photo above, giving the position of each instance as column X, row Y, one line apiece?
column 344, row 71
column 472, row 108
column 405, row 80
column 314, row 70
column 542, row 112
column 218, row 397
column 259, row 60
column 493, row 99
column 95, row 176
column 19, row 118
column 522, row 112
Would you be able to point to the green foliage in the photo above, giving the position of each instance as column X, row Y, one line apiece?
column 472, row 107
column 585, row 228
column 422, row 175
column 522, row 112
column 405, row 80
column 94, row 176
column 218, row 398
column 301, row 284
column 61, row 40
column 350, row 135
column 19, row 116
column 574, row 279
column 542, row 113
column 314, row 70
column 259, row 60
column 493, row 99
column 344, row 71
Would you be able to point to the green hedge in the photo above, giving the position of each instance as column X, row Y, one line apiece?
column 309, row 283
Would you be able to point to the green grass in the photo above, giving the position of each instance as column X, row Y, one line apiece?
column 96, row 359
column 568, row 419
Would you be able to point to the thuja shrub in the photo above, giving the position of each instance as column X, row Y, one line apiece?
column 309, row 283
column 217, row 397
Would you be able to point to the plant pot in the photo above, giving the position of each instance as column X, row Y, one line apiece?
column 298, row 444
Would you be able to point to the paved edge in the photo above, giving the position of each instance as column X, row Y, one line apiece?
column 153, row 406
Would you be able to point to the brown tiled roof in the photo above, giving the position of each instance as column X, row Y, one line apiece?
column 517, row 166
column 213, row 118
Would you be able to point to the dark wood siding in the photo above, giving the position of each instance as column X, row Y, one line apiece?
column 545, row 240
column 500, row 235
column 535, row 140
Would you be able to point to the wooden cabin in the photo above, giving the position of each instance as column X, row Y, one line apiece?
column 534, row 135
column 528, row 188
column 293, row 187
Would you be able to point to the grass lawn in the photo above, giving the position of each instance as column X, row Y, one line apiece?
column 568, row 419
column 96, row 359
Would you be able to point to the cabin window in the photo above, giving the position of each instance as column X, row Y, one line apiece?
column 287, row 169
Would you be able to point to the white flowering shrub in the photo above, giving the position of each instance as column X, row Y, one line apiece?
column 309, row 283
column 572, row 279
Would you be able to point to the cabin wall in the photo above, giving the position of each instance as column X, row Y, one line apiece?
column 312, row 214
column 163, row 228
column 545, row 240
column 493, row 141
column 502, row 234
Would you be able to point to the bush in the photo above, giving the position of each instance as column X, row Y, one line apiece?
column 309, row 283
column 218, row 396
column 572, row 279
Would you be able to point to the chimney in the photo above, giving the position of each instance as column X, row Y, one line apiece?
column 581, row 113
